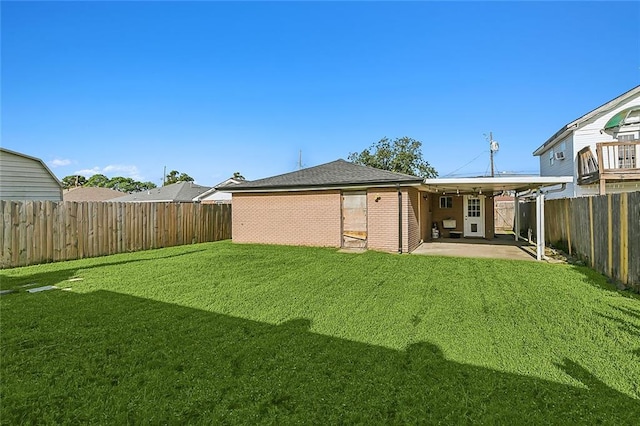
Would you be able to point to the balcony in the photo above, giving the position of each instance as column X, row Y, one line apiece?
column 614, row 162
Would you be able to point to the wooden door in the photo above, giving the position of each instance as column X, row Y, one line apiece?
column 354, row 219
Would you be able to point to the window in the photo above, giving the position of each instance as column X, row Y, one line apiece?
column 473, row 208
column 624, row 137
column 446, row 202
column 627, row 156
column 551, row 157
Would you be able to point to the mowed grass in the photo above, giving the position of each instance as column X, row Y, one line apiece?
column 221, row 333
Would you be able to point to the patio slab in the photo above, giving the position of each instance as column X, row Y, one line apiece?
column 501, row 247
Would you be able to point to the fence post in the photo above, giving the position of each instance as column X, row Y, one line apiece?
column 624, row 239
column 591, row 237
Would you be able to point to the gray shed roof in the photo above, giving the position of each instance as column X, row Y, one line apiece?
column 336, row 174
column 176, row 192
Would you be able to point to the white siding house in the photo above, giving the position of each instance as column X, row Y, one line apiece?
column 217, row 194
column 26, row 178
column 580, row 149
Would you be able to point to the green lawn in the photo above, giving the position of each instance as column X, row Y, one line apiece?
column 222, row 333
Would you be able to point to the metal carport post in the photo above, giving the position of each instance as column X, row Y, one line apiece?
column 540, row 245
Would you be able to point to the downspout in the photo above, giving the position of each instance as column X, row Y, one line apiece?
column 399, row 220
column 524, row 194
column 562, row 188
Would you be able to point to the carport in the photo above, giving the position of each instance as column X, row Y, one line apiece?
column 523, row 187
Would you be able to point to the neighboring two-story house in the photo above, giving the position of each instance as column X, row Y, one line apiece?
column 601, row 149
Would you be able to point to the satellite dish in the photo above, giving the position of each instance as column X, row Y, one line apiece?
column 493, row 146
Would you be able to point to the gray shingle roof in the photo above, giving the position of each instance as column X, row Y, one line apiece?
column 177, row 192
column 338, row 174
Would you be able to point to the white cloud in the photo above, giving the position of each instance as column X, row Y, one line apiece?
column 59, row 162
column 112, row 170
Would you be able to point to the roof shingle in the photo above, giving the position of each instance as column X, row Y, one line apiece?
column 176, row 192
column 339, row 173
column 90, row 193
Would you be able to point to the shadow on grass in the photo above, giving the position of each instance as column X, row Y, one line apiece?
column 108, row 357
column 599, row 280
column 54, row 277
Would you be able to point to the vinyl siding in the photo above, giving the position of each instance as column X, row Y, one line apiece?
column 23, row 178
column 587, row 135
column 566, row 167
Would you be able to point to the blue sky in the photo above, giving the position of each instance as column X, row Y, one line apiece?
column 210, row 88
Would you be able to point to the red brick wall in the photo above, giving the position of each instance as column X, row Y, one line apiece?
column 293, row 218
column 383, row 219
column 313, row 218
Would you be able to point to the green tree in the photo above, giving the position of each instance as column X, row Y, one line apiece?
column 72, row 181
column 401, row 155
column 146, row 185
column 126, row 184
column 123, row 184
column 175, row 176
column 238, row 176
column 98, row 180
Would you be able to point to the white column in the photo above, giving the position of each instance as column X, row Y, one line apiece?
column 516, row 218
column 540, row 245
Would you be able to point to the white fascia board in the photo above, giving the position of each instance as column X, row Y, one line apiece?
column 487, row 184
column 499, row 180
column 555, row 139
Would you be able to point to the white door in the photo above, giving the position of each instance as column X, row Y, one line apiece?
column 474, row 216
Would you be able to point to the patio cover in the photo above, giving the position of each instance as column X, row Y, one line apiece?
column 528, row 186
column 492, row 185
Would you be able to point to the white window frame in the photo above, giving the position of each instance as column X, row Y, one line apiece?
column 448, row 202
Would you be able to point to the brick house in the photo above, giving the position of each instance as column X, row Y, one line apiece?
column 338, row 204
column 341, row 204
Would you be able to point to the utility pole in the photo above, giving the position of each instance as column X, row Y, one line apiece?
column 164, row 175
column 493, row 148
column 491, row 151
column 300, row 161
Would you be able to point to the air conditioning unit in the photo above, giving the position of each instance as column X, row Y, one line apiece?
column 560, row 155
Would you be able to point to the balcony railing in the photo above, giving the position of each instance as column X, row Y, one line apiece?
column 614, row 161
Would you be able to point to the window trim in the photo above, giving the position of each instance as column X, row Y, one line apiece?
column 448, row 202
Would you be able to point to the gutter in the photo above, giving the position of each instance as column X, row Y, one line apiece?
column 557, row 137
column 356, row 187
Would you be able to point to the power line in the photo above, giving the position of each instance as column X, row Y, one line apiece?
column 479, row 155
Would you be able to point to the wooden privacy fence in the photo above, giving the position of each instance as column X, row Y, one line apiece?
column 503, row 216
column 34, row 232
column 603, row 230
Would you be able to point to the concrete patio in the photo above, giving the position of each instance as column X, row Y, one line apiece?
column 503, row 246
